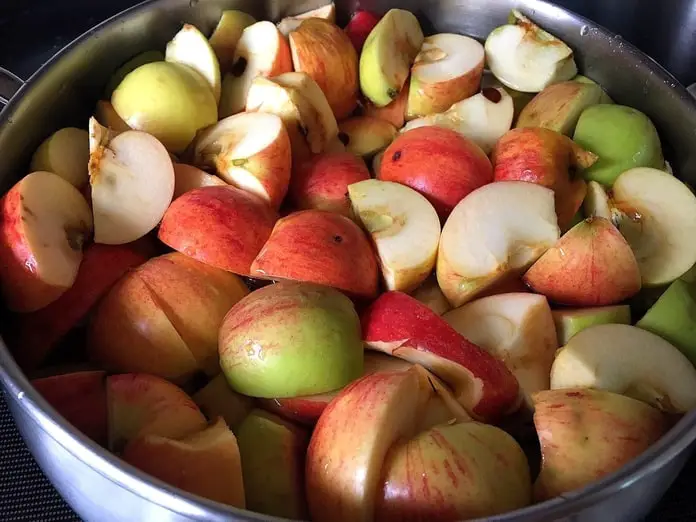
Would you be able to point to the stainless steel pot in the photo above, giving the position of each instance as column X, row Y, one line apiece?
column 102, row 488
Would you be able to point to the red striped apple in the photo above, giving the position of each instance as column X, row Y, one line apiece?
column 360, row 26
column 439, row 163
column 365, row 136
column 187, row 177
column 44, row 223
column 290, row 23
column 66, row 153
column 319, row 247
column 217, row 399
column 394, row 113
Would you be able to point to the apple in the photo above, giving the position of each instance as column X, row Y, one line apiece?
column 591, row 265
column 260, row 51
column 319, row 247
column 188, row 177
column 290, row 23
column 44, row 223
column 570, row 321
column 516, row 328
column 360, row 26
column 387, row 56
column 206, row 463
column 107, row 116
column 439, row 163
column 80, row 397
column 66, row 153
column 430, row 295
column 628, row 360
column 128, row 67
column 513, row 221
column 190, row 47
column 657, row 216
column 447, row 69
column 217, row 399
column 588, row 434
column 622, row 137
column 398, row 218
column 559, row 106
column 526, row 58
column 597, row 202
column 226, row 35
column 250, row 151
column 365, row 136
column 322, row 182
column 483, row 118
column 142, row 404
column 168, row 100
column 509, row 284
column 394, row 113
column 273, row 458
column 223, row 226
column 604, row 97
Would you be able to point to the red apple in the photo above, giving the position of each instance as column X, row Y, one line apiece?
column 394, row 113
column 359, row 27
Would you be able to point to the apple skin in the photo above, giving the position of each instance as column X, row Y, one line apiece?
column 359, row 27
column 187, row 177
column 271, row 338
column 227, row 33
column 394, row 113
column 222, row 226
column 571, row 321
column 365, row 136
column 591, row 265
column 319, row 247
column 217, row 399
column 439, row 163
column 587, row 434
column 107, row 116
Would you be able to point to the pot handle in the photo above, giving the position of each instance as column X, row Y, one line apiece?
column 9, row 85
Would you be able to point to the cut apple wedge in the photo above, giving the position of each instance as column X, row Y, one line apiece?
column 627, row 360
column 570, row 321
column 397, row 218
column 66, row 153
column 387, row 55
column 597, row 202
column 497, row 230
column 107, row 116
column 45, row 222
column 365, row 136
column 290, row 23
column 227, row 33
column 447, row 69
column 250, row 151
column 190, row 47
column 187, row 177
column 394, row 113
column 430, row 295
column 217, row 399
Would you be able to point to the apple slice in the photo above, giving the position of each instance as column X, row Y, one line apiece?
column 570, row 321
column 206, row 463
column 394, row 113
column 217, row 399
column 44, row 224
column 658, row 221
column 597, row 202
column 261, row 51
column 360, row 26
column 365, row 136
column 190, row 47
column 447, row 69
column 250, row 151
column 387, row 56
column 107, row 116
column 397, row 218
column 430, row 295
column 591, row 265
column 526, row 58
column 227, row 33
column 515, row 328
column 498, row 230
column 290, row 23
column 188, row 177
column 628, row 360
column 66, row 153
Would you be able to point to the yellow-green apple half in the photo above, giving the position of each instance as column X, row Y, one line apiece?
column 142, row 404
column 447, row 69
column 190, row 47
column 205, row 463
column 302, row 106
column 526, row 58
column 106, row 115
column 360, row 26
column 162, row 318
column 44, row 222
column 387, row 56
column 322, row 181
column 250, row 151
column 399, row 325
column 439, row 163
column 168, row 100
column 273, row 454
column 217, row 399
column 483, row 117
column 223, row 226
column 365, row 136
column 132, row 181
column 588, row 434
column 319, row 247
column 227, row 33
column 397, row 219
column 657, row 216
column 591, row 265
column 570, row 321
column 494, row 233
column 516, row 328
column 188, row 177
column 261, row 51
column 558, row 106
column 290, row 23
column 129, row 66
column 291, row 339
column 371, row 457
column 545, row 157
column 80, row 397
column 66, row 153
column 322, row 50
column 627, row 360
column 430, row 294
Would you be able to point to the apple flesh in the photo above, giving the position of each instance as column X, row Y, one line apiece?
column 66, row 153
column 365, row 136
column 226, row 35
column 360, row 26
column 190, row 47
column 597, row 202
column 430, row 295
column 570, row 321
column 188, row 177
column 217, row 399
column 290, row 23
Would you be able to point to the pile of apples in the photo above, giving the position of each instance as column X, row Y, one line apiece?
column 332, row 273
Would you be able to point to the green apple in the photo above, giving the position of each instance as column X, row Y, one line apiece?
column 168, row 100
column 604, row 98
column 387, row 56
column 131, row 65
column 571, row 321
column 226, row 35
column 622, row 137
column 66, row 153
column 217, row 399
column 672, row 317
column 273, row 458
column 291, row 339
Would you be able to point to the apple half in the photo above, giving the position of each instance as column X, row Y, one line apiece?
column 430, row 294
column 227, row 33
column 66, row 153
column 290, row 23
column 365, row 136
column 570, row 321
column 188, row 177
column 191, row 48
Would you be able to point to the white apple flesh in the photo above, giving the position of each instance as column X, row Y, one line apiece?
column 190, row 47
column 290, row 23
